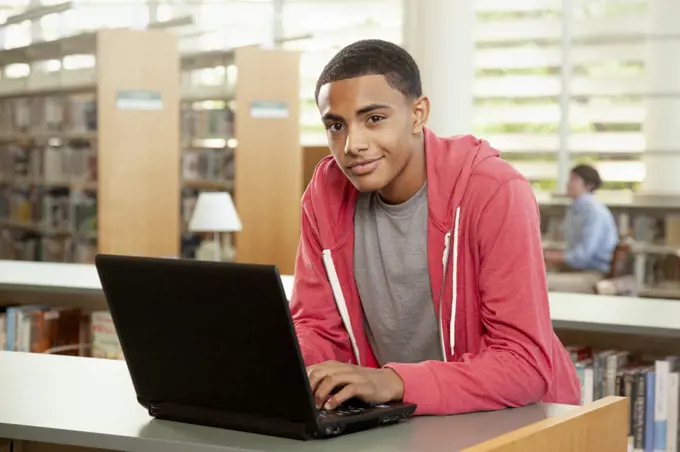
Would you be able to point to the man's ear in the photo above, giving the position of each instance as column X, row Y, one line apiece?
column 421, row 112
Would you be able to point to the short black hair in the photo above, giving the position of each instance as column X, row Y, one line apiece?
column 589, row 175
column 374, row 57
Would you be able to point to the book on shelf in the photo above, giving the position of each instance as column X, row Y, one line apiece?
column 45, row 115
column 41, row 329
column 650, row 384
column 58, row 330
column 208, row 164
column 105, row 343
column 207, row 119
column 48, row 172
column 56, row 225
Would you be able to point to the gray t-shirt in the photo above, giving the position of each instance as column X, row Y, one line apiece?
column 393, row 279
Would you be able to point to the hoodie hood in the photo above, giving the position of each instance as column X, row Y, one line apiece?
column 446, row 189
column 333, row 196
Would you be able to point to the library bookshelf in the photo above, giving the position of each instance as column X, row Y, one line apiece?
column 241, row 134
column 89, row 156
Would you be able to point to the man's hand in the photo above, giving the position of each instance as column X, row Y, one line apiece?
column 370, row 385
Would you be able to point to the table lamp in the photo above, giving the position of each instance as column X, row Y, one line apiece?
column 215, row 212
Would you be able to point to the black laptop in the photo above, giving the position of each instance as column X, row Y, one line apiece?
column 213, row 343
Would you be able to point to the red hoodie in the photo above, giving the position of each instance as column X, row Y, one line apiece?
column 486, row 265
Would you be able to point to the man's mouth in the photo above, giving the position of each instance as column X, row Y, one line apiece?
column 364, row 167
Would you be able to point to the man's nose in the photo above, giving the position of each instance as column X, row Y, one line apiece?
column 356, row 141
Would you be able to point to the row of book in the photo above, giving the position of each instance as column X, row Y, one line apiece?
column 68, row 163
column 74, row 113
column 50, row 211
column 25, row 246
column 208, row 164
column 652, row 386
column 58, row 330
column 216, row 121
column 77, row 114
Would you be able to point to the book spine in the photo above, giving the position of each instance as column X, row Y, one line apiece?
column 38, row 338
column 628, row 391
column 3, row 331
column 589, row 384
column 639, row 412
column 661, row 402
column 673, row 408
column 598, row 368
column 610, row 375
column 649, row 411
column 24, row 330
column 11, row 329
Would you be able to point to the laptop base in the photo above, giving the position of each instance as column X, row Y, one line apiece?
column 231, row 421
column 330, row 427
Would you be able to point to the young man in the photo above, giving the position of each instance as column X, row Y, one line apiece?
column 590, row 232
column 420, row 274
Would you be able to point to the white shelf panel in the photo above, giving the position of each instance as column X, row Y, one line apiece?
column 615, row 314
column 577, row 311
column 58, row 277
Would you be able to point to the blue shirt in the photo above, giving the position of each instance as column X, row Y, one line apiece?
column 591, row 235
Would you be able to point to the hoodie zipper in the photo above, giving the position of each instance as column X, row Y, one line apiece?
column 454, row 287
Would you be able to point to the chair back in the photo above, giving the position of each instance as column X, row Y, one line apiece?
column 619, row 280
column 620, row 259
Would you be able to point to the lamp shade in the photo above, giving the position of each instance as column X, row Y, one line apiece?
column 214, row 212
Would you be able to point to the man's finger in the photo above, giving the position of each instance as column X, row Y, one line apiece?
column 332, row 381
column 324, row 364
column 346, row 393
column 316, row 375
column 318, row 372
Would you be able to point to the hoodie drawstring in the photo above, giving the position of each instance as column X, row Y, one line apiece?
column 340, row 300
column 454, row 287
column 445, row 262
column 454, row 284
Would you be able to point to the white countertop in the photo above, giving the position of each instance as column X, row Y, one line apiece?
column 63, row 277
column 568, row 310
column 47, row 275
column 91, row 402
column 615, row 314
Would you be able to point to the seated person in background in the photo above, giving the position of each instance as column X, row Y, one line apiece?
column 590, row 232
column 419, row 274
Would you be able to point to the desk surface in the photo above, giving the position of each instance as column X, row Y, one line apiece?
column 91, row 402
column 59, row 277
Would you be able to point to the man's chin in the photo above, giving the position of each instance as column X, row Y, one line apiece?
column 368, row 184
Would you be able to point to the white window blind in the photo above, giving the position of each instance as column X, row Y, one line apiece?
column 333, row 25
column 519, row 59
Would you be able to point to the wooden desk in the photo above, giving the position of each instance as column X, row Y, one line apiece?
column 60, row 403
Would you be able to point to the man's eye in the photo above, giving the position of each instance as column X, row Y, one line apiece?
column 375, row 118
column 334, row 127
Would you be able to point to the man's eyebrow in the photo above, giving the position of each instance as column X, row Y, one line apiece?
column 331, row 117
column 361, row 111
column 370, row 108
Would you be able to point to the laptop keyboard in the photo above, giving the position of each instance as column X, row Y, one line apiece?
column 324, row 414
column 346, row 409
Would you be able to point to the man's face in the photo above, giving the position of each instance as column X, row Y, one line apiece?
column 370, row 128
column 576, row 186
